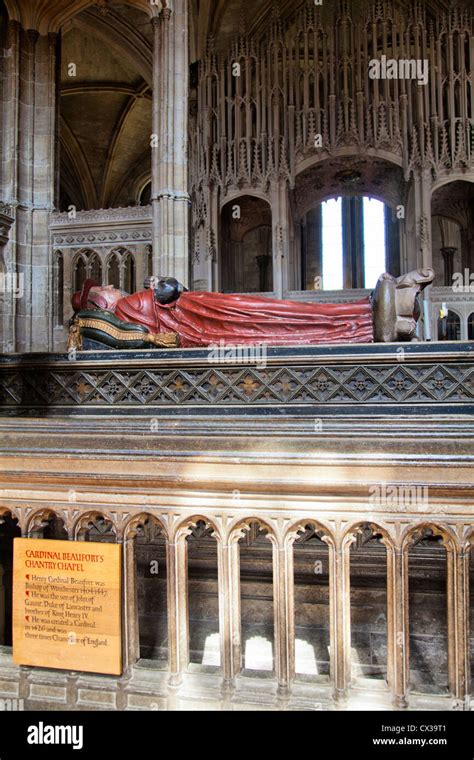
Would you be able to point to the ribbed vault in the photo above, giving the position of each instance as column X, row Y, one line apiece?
column 50, row 15
column 105, row 106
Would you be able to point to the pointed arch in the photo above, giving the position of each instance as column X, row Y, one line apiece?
column 114, row 144
column 80, row 164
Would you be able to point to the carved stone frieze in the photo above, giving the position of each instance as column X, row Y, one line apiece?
column 102, row 237
column 101, row 215
column 401, row 380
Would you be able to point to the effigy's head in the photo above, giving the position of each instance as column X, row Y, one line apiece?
column 166, row 289
column 104, row 297
column 96, row 296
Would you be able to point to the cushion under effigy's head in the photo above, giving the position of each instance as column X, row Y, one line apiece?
column 104, row 328
column 80, row 299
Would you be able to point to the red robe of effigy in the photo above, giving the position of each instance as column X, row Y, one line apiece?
column 201, row 319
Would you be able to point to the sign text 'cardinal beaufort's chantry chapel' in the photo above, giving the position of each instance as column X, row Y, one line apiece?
column 66, row 605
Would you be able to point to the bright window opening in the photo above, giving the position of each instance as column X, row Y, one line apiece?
column 332, row 244
column 339, row 243
column 374, row 241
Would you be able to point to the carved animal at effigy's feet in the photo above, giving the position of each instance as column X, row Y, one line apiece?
column 166, row 315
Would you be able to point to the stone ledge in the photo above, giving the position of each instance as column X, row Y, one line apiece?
column 349, row 380
column 147, row 689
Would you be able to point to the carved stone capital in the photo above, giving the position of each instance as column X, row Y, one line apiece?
column 32, row 35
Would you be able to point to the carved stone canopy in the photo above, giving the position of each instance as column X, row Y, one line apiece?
column 371, row 176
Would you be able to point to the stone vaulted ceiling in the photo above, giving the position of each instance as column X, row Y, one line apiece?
column 105, row 107
column 50, row 15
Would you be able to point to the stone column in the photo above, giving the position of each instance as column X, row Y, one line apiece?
column 29, row 180
column 130, row 625
column 10, row 107
column 423, row 216
column 8, row 174
column 353, row 247
column 228, row 561
column 155, row 150
column 177, row 593
column 282, row 275
column 397, row 625
column 139, row 254
column 283, row 589
column 20, row 182
column 213, row 243
column 347, row 261
column 467, row 243
column 170, row 197
column 459, row 676
column 420, row 240
column 340, row 618
column 448, row 258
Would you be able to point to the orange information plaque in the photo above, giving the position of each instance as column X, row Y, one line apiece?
column 66, row 605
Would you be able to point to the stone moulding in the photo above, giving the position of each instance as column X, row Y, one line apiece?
column 347, row 379
column 131, row 224
column 101, row 216
column 117, row 237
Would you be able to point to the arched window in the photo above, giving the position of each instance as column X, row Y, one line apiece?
column 121, row 270
column 374, row 240
column 95, row 268
column 86, row 265
column 113, row 270
column 332, row 244
column 80, row 272
column 470, row 326
column 344, row 243
column 449, row 328
column 128, row 265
